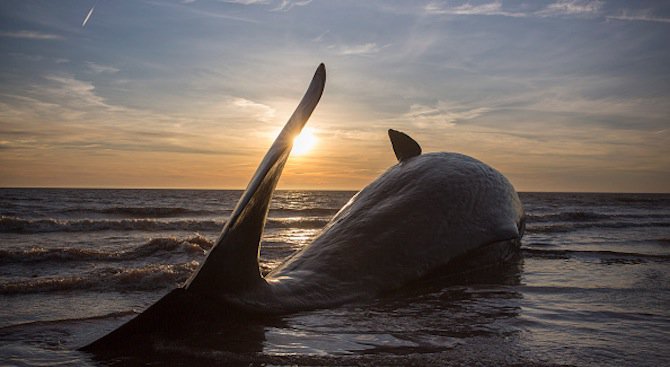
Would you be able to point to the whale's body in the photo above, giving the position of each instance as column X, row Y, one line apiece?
column 418, row 216
column 426, row 213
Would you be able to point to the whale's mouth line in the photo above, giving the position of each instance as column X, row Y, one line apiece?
column 486, row 256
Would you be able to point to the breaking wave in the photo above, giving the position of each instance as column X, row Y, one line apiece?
column 568, row 227
column 195, row 245
column 144, row 212
column 149, row 277
column 604, row 256
column 305, row 212
column 19, row 225
column 582, row 216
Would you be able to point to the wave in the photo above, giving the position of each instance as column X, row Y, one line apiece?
column 581, row 216
column 166, row 212
column 144, row 212
column 568, row 227
column 31, row 324
column 304, row 212
column 300, row 223
column 608, row 257
column 19, row 225
column 147, row 278
column 195, row 245
column 132, row 212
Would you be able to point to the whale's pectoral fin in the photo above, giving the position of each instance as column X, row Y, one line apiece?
column 232, row 263
column 404, row 147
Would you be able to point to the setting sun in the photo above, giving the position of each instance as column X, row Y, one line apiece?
column 304, row 142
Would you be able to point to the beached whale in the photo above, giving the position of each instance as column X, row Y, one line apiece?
column 428, row 213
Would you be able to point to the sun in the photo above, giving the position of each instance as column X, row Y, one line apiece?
column 304, row 142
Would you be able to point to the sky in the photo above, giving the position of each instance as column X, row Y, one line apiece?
column 557, row 95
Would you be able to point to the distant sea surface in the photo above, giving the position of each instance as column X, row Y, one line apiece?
column 591, row 288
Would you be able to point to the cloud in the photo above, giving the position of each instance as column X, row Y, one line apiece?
column 640, row 16
column 259, row 111
column 287, row 5
column 443, row 114
column 247, row 2
column 199, row 12
column 66, row 113
column 101, row 69
column 284, row 5
column 555, row 9
column 361, row 49
column 37, row 58
column 80, row 91
column 320, row 37
column 22, row 56
column 32, row 35
column 572, row 7
column 494, row 8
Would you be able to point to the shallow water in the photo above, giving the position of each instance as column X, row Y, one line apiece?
column 592, row 286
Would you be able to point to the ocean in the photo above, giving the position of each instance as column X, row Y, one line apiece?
column 590, row 288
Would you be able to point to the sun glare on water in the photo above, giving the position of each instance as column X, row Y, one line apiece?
column 304, row 142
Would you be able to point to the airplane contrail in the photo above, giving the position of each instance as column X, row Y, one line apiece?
column 88, row 16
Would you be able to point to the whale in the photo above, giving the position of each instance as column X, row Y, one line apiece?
column 430, row 213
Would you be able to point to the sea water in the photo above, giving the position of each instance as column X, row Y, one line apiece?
column 591, row 287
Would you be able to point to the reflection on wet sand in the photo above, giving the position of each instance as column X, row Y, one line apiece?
column 436, row 320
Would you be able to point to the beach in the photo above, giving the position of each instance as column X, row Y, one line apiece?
column 591, row 286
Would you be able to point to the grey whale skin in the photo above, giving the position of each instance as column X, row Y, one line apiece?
column 427, row 213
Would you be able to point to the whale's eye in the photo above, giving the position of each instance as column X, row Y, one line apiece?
column 304, row 142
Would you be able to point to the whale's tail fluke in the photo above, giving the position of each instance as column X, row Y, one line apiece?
column 232, row 263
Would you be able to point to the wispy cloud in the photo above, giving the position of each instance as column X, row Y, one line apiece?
column 359, row 49
column 81, row 91
column 101, row 69
column 37, row 58
column 32, row 35
column 639, row 16
column 287, row 5
column 76, row 92
column 572, row 8
column 22, row 56
column 247, row 2
column 185, row 6
column 493, row 8
column 259, row 111
column 320, row 37
column 282, row 5
column 67, row 113
column 443, row 114
column 556, row 9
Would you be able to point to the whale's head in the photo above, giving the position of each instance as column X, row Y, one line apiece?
column 444, row 190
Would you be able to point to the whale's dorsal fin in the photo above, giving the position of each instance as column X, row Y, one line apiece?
column 404, row 147
column 232, row 263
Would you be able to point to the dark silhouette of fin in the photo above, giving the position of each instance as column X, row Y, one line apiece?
column 232, row 263
column 404, row 147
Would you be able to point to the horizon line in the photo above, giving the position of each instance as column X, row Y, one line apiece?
column 289, row 189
